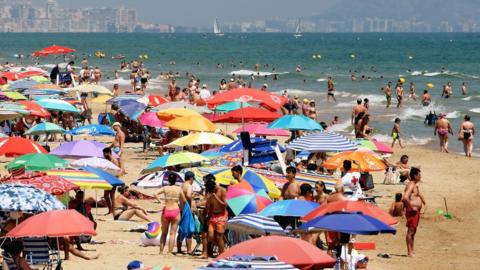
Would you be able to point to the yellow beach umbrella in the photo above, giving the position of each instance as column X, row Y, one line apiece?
column 191, row 123
column 15, row 96
column 201, row 138
column 172, row 113
column 92, row 88
column 101, row 99
column 47, row 86
column 361, row 161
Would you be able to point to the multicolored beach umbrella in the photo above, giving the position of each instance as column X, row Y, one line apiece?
column 375, row 146
column 172, row 160
column 83, row 179
column 244, row 199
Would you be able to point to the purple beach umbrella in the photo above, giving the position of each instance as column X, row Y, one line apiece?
column 79, row 149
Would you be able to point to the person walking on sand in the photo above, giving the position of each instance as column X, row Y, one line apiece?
column 465, row 134
column 396, row 132
column 414, row 203
column 217, row 213
column 443, row 127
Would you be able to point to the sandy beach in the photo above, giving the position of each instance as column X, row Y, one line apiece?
column 440, row 243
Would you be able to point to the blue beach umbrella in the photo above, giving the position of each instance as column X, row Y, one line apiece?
column 45, row 128
column 92, row 130
column 348, row 222
column 323, row 142
column 231, row 106
column 289, row 208
column 123, row 98
column 111, row 179
column 255, row 224
column 57, row 105
column 26, row 198
column 295, row 122
column 22, row 84
column 265, row 146
column 131, row 108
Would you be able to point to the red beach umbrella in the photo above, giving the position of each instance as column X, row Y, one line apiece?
column 352, row 206
column 296, row 252
column 52, row 184
column 154, row 101
column 11, row 76
column 55, row 223
column 55, row 49
column 248, row 114
column 34, row 108
column 265, row 98
column 17, row 146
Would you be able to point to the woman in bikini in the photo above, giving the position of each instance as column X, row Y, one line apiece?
column 443, row 127
column 174, row 200
column 125, row 209
column 465, row 134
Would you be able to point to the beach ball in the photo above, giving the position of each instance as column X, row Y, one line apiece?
column 153, row 230
column 314, row 56
column 402, row 80
column 430, row 85
column 319, row 56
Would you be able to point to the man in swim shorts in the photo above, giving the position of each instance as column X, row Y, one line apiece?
column 217, row 213
column 119, row 140
column 443, row 127
column 331, row 89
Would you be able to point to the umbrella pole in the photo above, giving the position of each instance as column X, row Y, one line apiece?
column 96, row 205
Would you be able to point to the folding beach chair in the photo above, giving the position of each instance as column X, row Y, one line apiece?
column 8, row 262
column 38, row 252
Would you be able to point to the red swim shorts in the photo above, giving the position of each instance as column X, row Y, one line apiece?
column 413, row 218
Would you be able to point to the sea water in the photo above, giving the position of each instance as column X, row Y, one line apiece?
column 380, row 57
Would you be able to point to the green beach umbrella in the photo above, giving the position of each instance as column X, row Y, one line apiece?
column 15, row 96
column 45, row 128
column 40, row 79
column 37, row 162
column 231, row 106
column 172, row 160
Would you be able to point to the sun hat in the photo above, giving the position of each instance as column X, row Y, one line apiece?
column 134, row 265
column 117, row 124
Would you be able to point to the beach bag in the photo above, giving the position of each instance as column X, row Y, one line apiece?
column 366, row 181
column 392, row 177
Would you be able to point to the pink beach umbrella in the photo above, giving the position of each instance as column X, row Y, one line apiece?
column 150, row 119
column 261, row 129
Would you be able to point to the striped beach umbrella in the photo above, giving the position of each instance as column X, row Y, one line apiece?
column 83, row 179
column 250, row 262
column 255, row 224
column 323, row 142
column 245, row 199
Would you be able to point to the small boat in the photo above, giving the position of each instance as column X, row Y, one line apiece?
column 298, row 30
column 118, row 56
column 216, row 29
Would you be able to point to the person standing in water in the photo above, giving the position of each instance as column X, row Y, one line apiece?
column 443, row 127
column 426, row 98
column 412, row 94
column 388, row 93
column 396, row 132
column 399, row 92
column 331, row 90
column 464, row 88
column 465, row 134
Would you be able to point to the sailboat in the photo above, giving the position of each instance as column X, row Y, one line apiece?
column 298, row 30
column 216, row 29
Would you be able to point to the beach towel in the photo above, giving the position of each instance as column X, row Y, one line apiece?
column 187, row 226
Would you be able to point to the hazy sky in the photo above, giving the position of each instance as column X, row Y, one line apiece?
column 202, row 12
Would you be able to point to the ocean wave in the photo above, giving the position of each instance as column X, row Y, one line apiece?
column 299, row 92
column 343, row 126
column 246, row 72
column 467, row 98
column 321, row 80
column 374, row 99
column 453, row 115
column 412, row 113
column 345, row 104
column 445, row 73
column 475, row 110
column 60, row 65
column 411, row 140
column 119, row 81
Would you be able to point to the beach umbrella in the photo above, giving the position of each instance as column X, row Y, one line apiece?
column 39, row 79
column 295, row 122
column 92, row 88
column 83, row 179
column 375, row 146
column 33, row 73
column 8, row 115
column 27, row 198
column 294, row 251
column 250, row 262
column 92, row 130
column 158, row 179
column 110, row 178
column 348, row 222
column 262, row 145
column 225, row 159
column 102, row 99
column 22, row 84
column 118, row 99
column 266, row 99
column 11, row 76
column 54, row 185
column 201, row 138
column 261, row 129
column 17, row 146
column 255, row 224
column 173, row 159
column 243, row 198
column 57, row 105
column 153, row 101
column 96, row 162
column 191, row 123
column 249, row 114
column 361, row 161
column 47, row 86
column 231, row 106
column 14, row 107
column 150, row 119
column 183, row 105
column 131, row 108
column 15, row 96
column 45, row 128
column 323, row 142
column 54, row 49
column 56, row 223
column 289, row 208
column 172, row 113
column 352, row 206
column 37, row 162
column 258, row 181
column 79, row 149
column 34, row 108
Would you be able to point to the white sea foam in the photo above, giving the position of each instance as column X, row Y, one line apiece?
column 344, row 104
column 475, row 110
column 321, row 80
column 343, row 94
column 246, row 72
column 343, row 126
column 414, row 113
column 302, row 93
column 119, row 81
column 411, row 140
column 374, row 99
column 467, row 98
column 432, row 74
column 416, row 73
column 454, row 114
